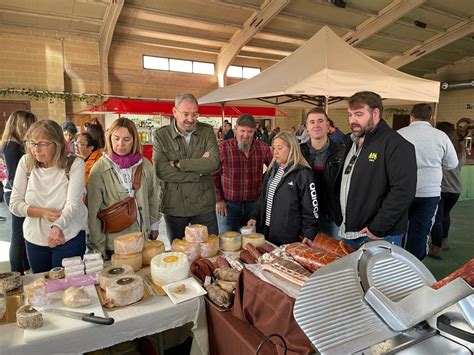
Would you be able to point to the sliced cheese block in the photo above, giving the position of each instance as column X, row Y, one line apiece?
column 74, row 274
column 133, row 260
column 152, row 248
column 74, row 268
column 256, row 239
column 129, row 243
column 125, row 290
column 169, row 267
column 94, row 263
column 192, row 250
column 92, row 256
column 210, row 248
column 10, row 280
column 28, row 318
column 196, row 233
column 230, row 241
column 76, row 297
column 73, row 260
column 112, row 272
column 94, row 270
column 36, row 289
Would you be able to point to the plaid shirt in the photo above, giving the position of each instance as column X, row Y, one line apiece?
column 239, row 179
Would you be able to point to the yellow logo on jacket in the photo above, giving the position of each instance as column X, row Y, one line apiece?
column 372, row 157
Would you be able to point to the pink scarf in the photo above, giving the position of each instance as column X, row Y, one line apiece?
column 126, row 161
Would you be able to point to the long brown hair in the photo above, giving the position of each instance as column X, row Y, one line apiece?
column 450, row 131
column 17, row 125
column 128, row 124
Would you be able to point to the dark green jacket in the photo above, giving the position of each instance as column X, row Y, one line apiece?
column 187, row 191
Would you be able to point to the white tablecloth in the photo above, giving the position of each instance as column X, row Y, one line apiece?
column 145, row 318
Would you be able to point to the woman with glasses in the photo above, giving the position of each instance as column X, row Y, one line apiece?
column 48, row 191
column 111, row 181
column 287, row 207
column 87, row 148
column 13, row 149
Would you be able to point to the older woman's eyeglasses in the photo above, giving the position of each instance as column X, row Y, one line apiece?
column 351, row 164
column 39, row 145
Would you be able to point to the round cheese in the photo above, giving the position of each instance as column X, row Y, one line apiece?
column 126, row 290
column 230, row 241
column 28, row 318
column 152, row 248
column 209, row 248
column 56, row 273
column 129, row 243
column 256, row 239
column 133, row 260
column 112, row 272
column 169, row 267
column 196, row 233
column 192, row 250
column 10, row 280
column 76, row 297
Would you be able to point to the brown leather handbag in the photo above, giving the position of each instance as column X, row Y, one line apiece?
column 123, row 214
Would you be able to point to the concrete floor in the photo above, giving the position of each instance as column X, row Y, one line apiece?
column 461, row 240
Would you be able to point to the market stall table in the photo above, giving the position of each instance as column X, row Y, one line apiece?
column 147, row 317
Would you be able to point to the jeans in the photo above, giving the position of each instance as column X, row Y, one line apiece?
column 329, row 227
column 420, row 221
column 45, row 258
column 238, row 214
column 175, row 226
column 18, row 257
column 442, row 223
column 395, row 239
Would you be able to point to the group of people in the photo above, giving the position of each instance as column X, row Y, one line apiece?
column 378, row 184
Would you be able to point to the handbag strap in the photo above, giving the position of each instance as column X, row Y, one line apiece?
column 137, row 178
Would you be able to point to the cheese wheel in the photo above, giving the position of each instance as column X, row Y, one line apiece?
column 28, row 318
column 192, row 250
column 230, row 241
column 196, row 233
column 56, row 273
column 169, row 267
column 152, row 248
column 76, row 297
column 133, row 260
column 126, row 290
column 10, row 280
column 112, row 272
column 210, row 248
column 129, row 243
column 256, row 239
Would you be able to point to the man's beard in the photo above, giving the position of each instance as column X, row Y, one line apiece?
column 244, row 147
column 363, row 130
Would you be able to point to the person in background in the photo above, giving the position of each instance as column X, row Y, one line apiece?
column 272, row 134
column 451, row 188
column 287, row 206
column 258, row 131
column 185, row 153
column 378, row 178
column 13, row 149
column 69, row 131
column 111, row 181
column 434, row 152
column 303, row 137
column 334, row 133
column 325, row 158
column 228, row 131
column 87, row 149
column 293, row 130
column 48, row 191
column 265, row 138
column 238, row 180
column 96, row 131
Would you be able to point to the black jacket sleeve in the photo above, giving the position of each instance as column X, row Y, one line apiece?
column 309, row 204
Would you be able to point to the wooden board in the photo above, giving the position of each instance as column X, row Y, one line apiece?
column 14, row 301
column 156, row 288
column 147, row 294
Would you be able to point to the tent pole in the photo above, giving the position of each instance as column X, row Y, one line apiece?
column 326, row 104
column 222, row 115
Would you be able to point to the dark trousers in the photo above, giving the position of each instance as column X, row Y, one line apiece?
column 238, row 214
column 18, row 258
column 45, row 258
column 420, row 221
column 176, row 225
column 442, row 223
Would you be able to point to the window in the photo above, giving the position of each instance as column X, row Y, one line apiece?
column 236, row 71
column 177, row 65
column 249, row 72
column 203, row 68
column 185, row 66
column 155, row 63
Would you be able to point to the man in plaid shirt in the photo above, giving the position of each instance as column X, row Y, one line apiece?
column 238, row 180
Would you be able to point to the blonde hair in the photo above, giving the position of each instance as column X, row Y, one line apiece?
column 17, row 125
column 294, row 155
column 132, row 129
column 52, row 131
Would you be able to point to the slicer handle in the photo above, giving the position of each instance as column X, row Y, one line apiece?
column 444, row 323
column 92, row 318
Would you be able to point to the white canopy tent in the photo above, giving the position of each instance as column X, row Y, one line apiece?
column 325, row 67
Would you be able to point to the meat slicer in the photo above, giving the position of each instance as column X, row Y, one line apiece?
column 379, row 300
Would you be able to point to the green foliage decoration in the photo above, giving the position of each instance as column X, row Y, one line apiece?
column 53, row 96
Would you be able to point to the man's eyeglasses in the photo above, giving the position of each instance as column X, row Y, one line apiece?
column 40, row 145
column 188, row 114
column 350, row 165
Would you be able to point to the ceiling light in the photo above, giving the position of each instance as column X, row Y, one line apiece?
column 419, row 24
column 339, row 3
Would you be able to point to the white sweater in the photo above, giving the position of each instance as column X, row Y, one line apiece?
column 434, row 152
column 50, row 188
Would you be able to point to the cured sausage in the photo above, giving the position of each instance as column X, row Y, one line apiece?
column 202, row 268
column 332, row 245
column 222, row 262
column 311, row 259
column 466, row 272
column 253, row 250
column 247, row 258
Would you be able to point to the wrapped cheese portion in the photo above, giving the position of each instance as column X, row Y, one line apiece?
column 10, row 280
column 230, row 241
column 35, row 291
column 126, row 290
column 28, row 318
column 56, row 273
column 256, row 239
column 129, row 243
column 169, row 267
column 192, row 250
column 76, row 297
column 112, row 272
column 152, row 248
column 133, row 260
column 196, row 233
column 209, row 248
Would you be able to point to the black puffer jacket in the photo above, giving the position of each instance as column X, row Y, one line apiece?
column 294, row 209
